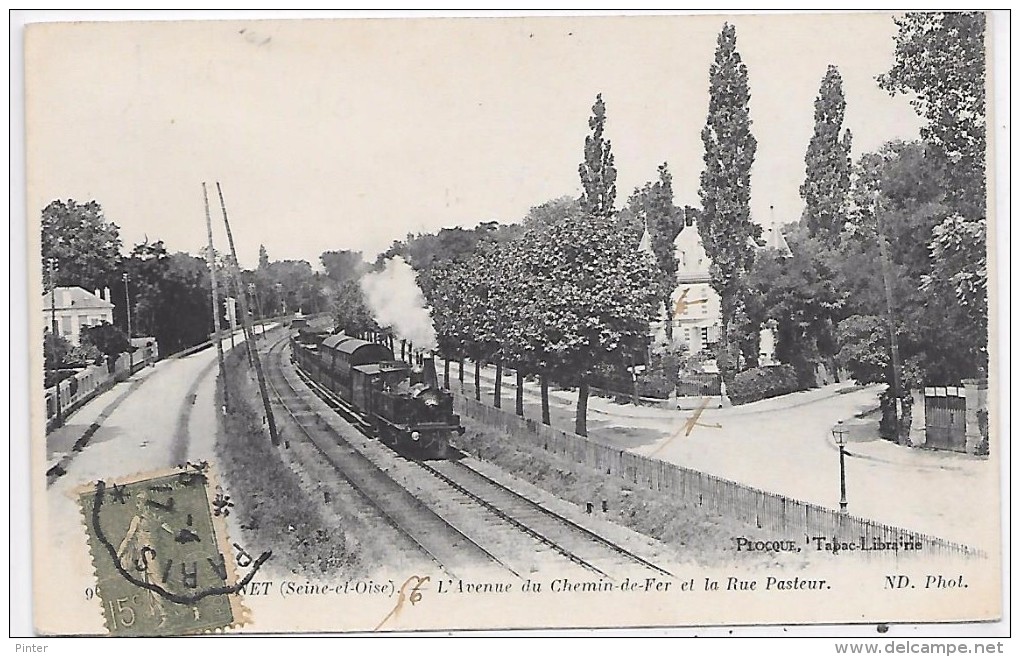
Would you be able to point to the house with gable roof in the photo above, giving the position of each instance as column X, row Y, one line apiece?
column 697, row 310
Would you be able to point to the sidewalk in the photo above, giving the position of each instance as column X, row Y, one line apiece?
column 608, row 407
column 865, row 444
column 63, row 443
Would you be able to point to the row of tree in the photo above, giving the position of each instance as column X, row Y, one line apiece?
column 891, row 250
column 572, row 293
column 169, row 291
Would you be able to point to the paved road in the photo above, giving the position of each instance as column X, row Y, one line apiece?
column 168, row 416
column 786, row 446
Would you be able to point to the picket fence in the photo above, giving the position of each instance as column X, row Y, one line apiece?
column 776, row 513
column 78, row 389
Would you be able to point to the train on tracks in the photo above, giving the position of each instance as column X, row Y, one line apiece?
column 401, row 404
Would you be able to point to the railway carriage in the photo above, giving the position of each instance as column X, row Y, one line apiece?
column 403, row 405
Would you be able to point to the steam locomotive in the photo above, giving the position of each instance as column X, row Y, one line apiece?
column 401, row 404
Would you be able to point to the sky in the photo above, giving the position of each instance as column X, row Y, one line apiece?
column 349, row 134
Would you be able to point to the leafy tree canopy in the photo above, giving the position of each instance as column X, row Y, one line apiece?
column 940, row 60
column 826, row 187
column 84, row 244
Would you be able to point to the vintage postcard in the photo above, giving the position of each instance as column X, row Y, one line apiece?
column 502, row 323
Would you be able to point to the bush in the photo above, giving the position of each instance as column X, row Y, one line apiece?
column 657, row 384
column 763, row 382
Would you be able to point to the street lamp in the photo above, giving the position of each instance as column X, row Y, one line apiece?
column 127, row 301
column 839, row 432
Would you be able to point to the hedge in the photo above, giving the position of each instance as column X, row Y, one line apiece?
column 763, row 382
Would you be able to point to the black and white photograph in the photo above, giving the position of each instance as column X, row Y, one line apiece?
column 475, row 322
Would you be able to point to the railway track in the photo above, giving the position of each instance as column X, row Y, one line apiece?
column 442, row 543
column 450, row 499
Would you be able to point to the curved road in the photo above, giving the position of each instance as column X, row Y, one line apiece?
column 160, row 417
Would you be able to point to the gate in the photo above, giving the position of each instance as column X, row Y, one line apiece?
column 698, row 385
column 945, row 418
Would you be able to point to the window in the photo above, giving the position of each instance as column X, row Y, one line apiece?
column 65, row 325
column 704, row 335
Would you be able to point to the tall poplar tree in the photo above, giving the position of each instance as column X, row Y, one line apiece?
column 651, row 206
column 826, row 187
column 725, row 225
column 598, row 173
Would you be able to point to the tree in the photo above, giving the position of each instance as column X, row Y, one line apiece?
column 299, row 286
column 651, row 207
column 959, row 271
column 55, row 350
column 351, row 313
column 589, row 295
column 940, row 59
column 597, row 171
column 552, row 211
column 945, row 338
column 826, row 187
column 85, row 245
column 169, row 295
column 342, row 266
column 798, row 293
column 107, row 338
column 725, row 225
column 263, row 258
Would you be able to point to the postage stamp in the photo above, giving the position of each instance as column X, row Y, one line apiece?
column 160, row 554
column 634, row 321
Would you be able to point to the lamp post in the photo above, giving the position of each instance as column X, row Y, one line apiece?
column 53, row 331
column 127, row 301
column 839, row 432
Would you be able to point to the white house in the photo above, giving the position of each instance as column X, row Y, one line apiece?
column 73, row 308
column 697, row 311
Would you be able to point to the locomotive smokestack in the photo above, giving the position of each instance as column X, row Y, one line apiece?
column 429, row 376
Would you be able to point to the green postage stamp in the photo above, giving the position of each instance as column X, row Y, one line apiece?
column 161, row 555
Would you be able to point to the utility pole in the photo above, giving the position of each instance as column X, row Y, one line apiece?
column 53, row 330
column 258, row 306
column 127, row 301
column 894, row 346
column 229, row 309
column 246, row 321
column 211, row 259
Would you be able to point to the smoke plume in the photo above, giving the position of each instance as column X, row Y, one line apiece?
column 396, row 302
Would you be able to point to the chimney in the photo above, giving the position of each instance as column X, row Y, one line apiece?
column 106, row 293
column 99, row 293
column 429, row 376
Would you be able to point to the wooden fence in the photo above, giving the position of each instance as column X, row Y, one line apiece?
column 92, row 381
column 765, row 510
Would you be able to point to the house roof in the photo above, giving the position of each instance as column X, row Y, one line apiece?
column 74, row 297
column 774, row 240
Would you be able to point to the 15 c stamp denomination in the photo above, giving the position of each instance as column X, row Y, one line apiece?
column 161, row 556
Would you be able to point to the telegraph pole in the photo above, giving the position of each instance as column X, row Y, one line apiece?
column 53, row 333
column 246, row 320
column 127, row 302
column 894, row 346
column 258, row 306
column 211, row 259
